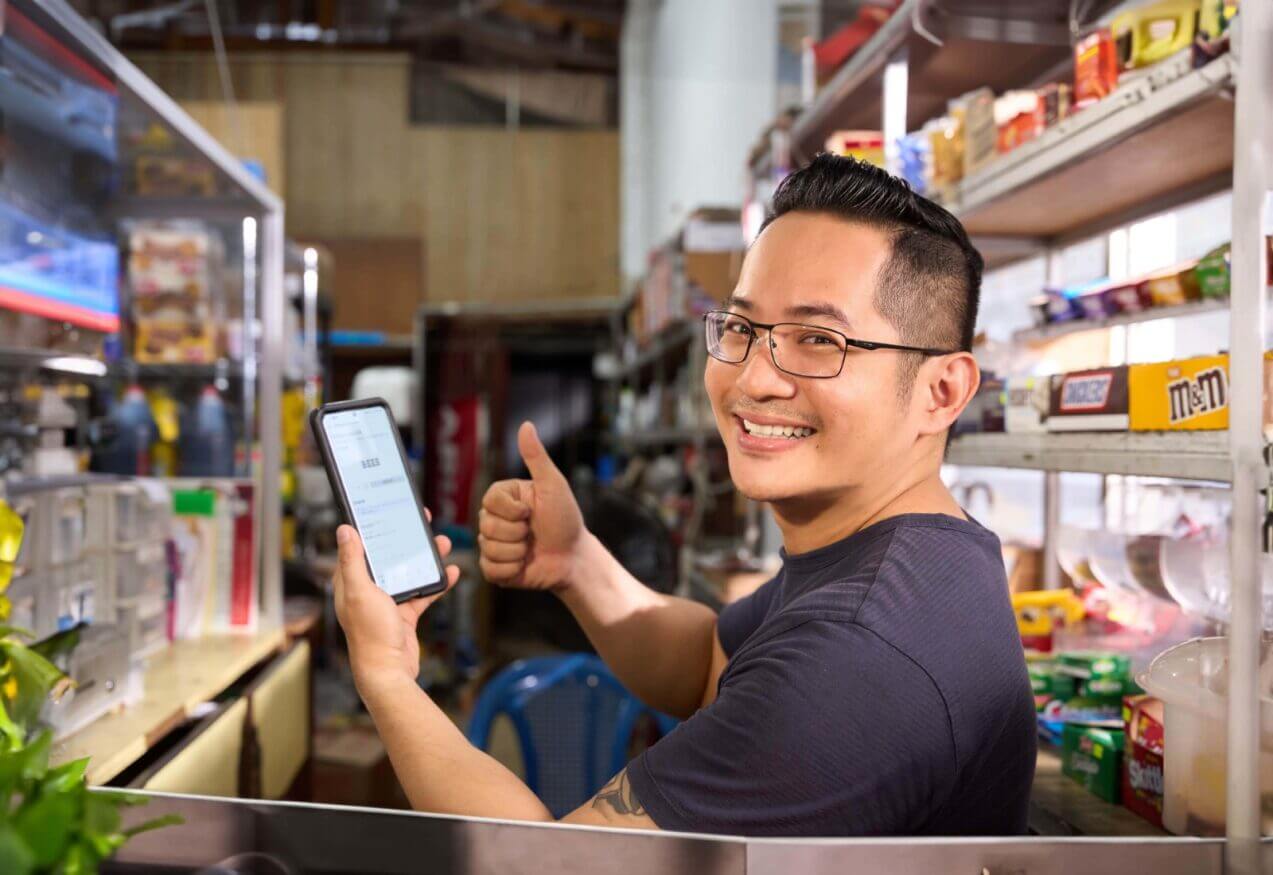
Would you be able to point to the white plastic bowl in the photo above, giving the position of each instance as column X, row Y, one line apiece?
column 1192, row 681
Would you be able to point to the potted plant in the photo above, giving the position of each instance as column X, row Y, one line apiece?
column 49, row 819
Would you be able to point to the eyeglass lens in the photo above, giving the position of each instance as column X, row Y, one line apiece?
column 802, row 350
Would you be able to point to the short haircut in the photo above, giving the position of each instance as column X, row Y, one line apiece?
column 930, row 286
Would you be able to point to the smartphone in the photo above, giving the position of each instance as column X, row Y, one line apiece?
column 367, row 467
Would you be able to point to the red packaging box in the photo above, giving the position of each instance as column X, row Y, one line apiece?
column 1143, row 757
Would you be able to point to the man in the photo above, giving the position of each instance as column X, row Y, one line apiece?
column 877, row 685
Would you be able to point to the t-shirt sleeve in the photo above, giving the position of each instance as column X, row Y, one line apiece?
column 737, row 620
column 820, row 730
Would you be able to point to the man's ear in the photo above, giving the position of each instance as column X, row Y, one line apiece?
column 946, row 385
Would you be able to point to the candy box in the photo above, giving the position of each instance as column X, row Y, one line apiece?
column 1187, row 394
column 1026, row 405
column 1094, row 400
column 1212, row 273
column 1143, row 757
column 1092, row 756
column 1172, row 287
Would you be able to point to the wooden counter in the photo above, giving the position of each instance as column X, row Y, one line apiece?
column 1060, row 807
column 177, row 680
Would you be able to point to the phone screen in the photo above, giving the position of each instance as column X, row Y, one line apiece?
column 365, row 451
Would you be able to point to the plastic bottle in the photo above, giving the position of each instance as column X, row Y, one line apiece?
column 128, row 450
column 206, row 443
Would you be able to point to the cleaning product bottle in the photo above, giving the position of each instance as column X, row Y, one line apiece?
column 206, row 442
column 163, row 455
column 127, row 450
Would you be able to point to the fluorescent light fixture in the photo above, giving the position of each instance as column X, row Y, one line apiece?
column 75, row 364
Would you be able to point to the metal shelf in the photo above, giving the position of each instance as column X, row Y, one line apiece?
column 1060, row 329
column 1002, row 46
column 671, row 337
column 1161, row 140
column 1185, row 455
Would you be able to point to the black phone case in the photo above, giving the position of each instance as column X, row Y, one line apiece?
column 342, row 500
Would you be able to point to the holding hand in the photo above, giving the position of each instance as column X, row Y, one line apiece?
column 530, row 532
column 383, row 647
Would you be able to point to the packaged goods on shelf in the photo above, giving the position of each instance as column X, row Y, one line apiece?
column 173, row 176
column 1018, row 119
column 1191, row 679
column 1092, row 756
column 1092, row 400
column 215, row 590
column 173, row 272
column 1054, row 103
column 915, row 161
column 1153, row 33
column 1101, row 675
column 1187, row 394
column 1215, row 17
column 1040, row 612
column 985, row 413
column 712, row 246
column 946, row 143
column 1026, row 402
column 1212, row 273
column 1095, row 67
column 866, row 146
column 1173, row 286
column 1046, row 682
column 977, row 111
column 1143, row 757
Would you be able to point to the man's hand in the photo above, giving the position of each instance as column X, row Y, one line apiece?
column 530, row 532
column 383, row 647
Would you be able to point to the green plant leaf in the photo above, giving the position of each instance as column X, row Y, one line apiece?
column 46, row 825
column 57, row 645
column 157, row 823
column 11, row 732
column 34, row 762
column 101, row 815
column 65, row 777
column 15, row 632
column 15, row 857
column 36, row 677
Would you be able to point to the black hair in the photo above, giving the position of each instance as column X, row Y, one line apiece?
column 930, row 286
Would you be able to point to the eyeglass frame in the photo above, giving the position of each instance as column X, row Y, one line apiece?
column 854, row 342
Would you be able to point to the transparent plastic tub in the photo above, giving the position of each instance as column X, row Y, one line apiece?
column 141, row 571
column 76, row 593
column 1192, row 681
column 1195, row 571
column 63, row 518
column 146, row 620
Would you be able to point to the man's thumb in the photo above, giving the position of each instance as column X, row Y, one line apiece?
column 542, row 469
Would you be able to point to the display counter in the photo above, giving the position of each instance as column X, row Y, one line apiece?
column 280, row 837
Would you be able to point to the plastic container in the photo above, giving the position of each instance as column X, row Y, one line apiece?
column 105, row 678
column 1195, row 571
column 128, row 450
column 24, row 596
column 206, row 445
column 141, row 571
column 62, row 518
column 1192, row 680
column 147, row 623
column 76, row 593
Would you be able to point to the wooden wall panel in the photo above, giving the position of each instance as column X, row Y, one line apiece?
column 505, row 215
column 258, row 134
column 377, row 283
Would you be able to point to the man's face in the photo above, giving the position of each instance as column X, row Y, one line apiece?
column 818, row 270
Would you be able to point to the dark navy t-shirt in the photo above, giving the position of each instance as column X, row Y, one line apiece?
column 876, row 686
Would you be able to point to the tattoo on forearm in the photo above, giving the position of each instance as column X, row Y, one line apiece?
column 619, row 796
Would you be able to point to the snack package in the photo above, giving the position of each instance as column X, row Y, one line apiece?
column 1187, row 394
column 1143, row 757
column 1212, row 273
column 1092, row 756
column 1095, row 67
column 1172, row 287
column 1093, row 400
column 1155, row 32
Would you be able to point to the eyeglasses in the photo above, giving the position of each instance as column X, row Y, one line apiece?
column 798, row 350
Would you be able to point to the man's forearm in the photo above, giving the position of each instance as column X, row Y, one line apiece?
column 659, row 646
column 437, row 767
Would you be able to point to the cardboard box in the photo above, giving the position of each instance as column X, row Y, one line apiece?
column 1095, row 400
column 715, row 273
column 351, row 768
column 1143, row 757
column 1093, row 756
column 1188, row 394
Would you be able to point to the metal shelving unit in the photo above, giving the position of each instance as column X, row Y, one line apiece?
column 255, row 215
column 1167, row 136
column 1187, row 455
column 1061, row 329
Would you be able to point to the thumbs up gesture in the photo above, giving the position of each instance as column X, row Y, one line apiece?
column 530, row 532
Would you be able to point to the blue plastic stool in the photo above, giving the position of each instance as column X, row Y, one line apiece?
column 573, row 720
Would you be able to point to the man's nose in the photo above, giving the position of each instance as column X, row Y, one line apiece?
column 760, row 378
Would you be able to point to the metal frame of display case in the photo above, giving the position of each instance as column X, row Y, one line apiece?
column 1149, row 112
column 261, row 212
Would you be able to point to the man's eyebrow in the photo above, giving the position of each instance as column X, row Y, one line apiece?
column 737, row 302
column 820, row 308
